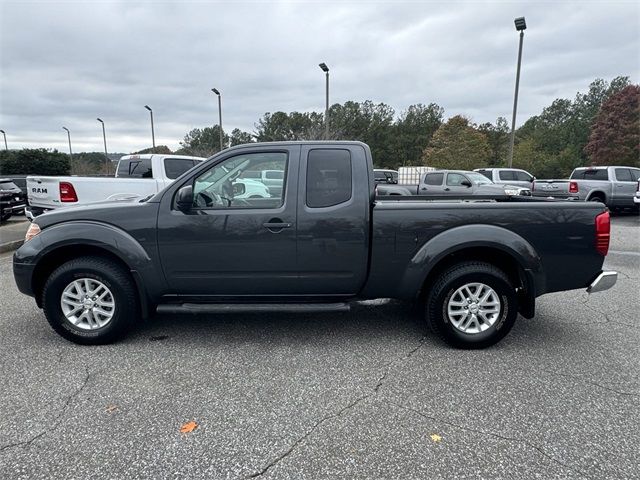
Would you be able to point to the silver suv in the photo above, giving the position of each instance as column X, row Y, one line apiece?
column 508, row 176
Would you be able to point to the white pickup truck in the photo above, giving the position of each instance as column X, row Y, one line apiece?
column 137, row 176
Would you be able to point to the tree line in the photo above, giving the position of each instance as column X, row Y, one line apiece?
column 599, row 127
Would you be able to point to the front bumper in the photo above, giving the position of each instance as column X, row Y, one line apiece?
column 636, row 199
column 604, row 281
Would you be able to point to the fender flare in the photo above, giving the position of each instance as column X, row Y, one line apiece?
column 102, row 236
column 469, row 236
column 599, row 193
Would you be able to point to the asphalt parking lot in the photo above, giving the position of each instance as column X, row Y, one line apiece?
column 367, row 394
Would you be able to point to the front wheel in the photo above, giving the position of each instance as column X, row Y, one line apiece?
column 90, row 300
column 472, row 305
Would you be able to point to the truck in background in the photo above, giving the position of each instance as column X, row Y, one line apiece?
column 137, row 176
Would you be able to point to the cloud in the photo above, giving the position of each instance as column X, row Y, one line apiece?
column 66, row 63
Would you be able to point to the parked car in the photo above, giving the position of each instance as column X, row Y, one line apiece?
column 137, row 176
column 324, row 243
column 508, row 176
column 272, row 179
column 613, row 186
column 443, row 183
column 381, row 175
column 20, row 181
column 12, row 200
column 636, row 197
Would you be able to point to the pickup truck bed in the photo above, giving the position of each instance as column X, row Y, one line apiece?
column 323, row 241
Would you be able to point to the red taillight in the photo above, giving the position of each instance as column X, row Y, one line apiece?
column 67, row 192
column 573, row 187
column 603, row 233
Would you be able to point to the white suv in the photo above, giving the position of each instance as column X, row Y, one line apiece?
column 511, row 176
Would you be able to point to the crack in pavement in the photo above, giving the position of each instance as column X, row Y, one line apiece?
column 57, row 420
column 586, row 303
column 387, row 368
column 495, row 435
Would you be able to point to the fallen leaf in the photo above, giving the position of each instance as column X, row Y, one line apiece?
column 111, row 408
column 435, row 437
column 188, row 427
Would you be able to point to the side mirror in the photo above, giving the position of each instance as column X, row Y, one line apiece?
column 239, row 189
column 532, row 179
column 465, row 183
column 184, row 198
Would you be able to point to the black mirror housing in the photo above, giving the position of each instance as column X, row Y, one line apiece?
column 184, row 198
column 466, row 183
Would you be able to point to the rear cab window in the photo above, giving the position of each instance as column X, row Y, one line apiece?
column 507, row 175
column 624, row 175
column 174, row 167
column 592, row 174
column 135, row 168
column 486, row 173
column 329, row 177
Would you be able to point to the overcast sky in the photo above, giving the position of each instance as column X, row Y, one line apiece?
column 66, row 63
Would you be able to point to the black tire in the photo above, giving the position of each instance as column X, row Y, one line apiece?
column 451, row 280
column 596, row 198
column 114, row 277
column 5, row 217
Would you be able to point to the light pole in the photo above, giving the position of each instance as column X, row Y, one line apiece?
column 104, row 137
column 153, row 134
column 69, row 137
column 5, row 139
column 217, row 92
column 325, row 69
column 521, row 26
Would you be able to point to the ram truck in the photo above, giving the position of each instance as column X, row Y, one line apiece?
column 324, row 242
column 136, row 177
column 613, row 186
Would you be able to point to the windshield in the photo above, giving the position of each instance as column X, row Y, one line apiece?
column 478, row 178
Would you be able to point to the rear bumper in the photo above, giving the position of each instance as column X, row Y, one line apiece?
column 559, row 196
column 604, row 281
column 32, row 212
column 12, row 207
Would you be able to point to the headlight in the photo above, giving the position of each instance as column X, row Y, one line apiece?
column 33, row 230
column 511, row 191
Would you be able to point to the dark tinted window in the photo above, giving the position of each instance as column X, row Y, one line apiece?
column 599, row 174
column 522, row 176
column 507, row 175
column 486, row 173
column 136, row 168
column 433, row 178
column 174, row 167
column 328, row 177
column 623, row 175
column 635, row 174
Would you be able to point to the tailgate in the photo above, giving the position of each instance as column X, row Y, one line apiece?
column 550, row 188
column 43, row 192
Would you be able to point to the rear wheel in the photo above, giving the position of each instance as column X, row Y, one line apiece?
column 472, row 305
column 90, row 300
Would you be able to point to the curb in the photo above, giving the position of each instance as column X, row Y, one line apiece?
column 9, row 246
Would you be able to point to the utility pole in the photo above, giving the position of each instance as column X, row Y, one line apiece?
column 521, row 26
column 217, row 92
column 325, row 69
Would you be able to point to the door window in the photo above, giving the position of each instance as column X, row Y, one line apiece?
column 623, row 175
column 433, row 178
column 174, row 167
column 522, row 176
column 635, row 174
column 224, row 186
column 507, row 175
column 328, row 177
column 455, row 179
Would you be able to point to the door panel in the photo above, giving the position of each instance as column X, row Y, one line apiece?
column 228, row 244
column 333, row 220
column 624, row 188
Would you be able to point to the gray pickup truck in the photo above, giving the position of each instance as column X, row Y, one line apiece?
column 323, row 242
column 613, row 186
column 451, row 183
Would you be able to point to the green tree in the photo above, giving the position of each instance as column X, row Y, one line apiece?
column 457, row 145
column 203, row 142
column 281, row 126
column 34, row 161
column 238, row 137
column 615, row 135
column 160, row 149
column 413, row 131
column 498, row 138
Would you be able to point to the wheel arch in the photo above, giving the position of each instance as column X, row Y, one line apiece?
column 495, row 245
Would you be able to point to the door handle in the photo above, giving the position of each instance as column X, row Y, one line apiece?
column 423, row 188
column 447, row 189
column 276, row 225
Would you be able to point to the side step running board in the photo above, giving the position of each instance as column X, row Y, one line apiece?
column 251, row 307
